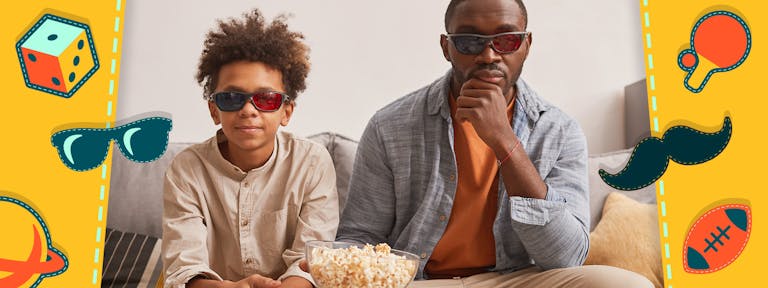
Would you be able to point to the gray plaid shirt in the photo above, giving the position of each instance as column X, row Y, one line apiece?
column 404, row 180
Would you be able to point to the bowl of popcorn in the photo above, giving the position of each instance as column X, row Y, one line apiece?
column 336, row 264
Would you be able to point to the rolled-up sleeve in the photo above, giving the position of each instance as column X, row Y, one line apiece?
column 555, row 230
column 184, row 232
column 319, row 216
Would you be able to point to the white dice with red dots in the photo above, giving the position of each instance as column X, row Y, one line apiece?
column 57, row 55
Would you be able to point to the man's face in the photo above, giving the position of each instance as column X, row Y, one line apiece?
column 486, row 17
column 250, row 130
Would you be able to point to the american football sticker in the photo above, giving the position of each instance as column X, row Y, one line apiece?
column 717, row 238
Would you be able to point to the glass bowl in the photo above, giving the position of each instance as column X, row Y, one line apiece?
column 335, row 264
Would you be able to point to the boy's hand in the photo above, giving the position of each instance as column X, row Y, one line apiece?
column 253, row 281
column 258, row 281
column 295, row 282
column 303, row 266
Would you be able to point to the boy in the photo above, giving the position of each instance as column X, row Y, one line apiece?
column 240, row 206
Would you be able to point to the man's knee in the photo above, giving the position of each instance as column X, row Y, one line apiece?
column 599, row 276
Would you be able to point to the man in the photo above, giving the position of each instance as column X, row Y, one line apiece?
column 239, row 207
column 475, row 173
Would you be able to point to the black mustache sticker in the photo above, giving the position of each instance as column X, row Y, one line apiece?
column 681, row 144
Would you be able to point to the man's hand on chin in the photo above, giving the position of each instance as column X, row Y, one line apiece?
column 483, row 104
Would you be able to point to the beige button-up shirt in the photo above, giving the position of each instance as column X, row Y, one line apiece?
column 224, row 223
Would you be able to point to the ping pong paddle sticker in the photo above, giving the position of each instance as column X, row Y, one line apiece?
column 720, row 42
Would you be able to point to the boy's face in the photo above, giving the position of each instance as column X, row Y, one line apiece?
column 250, row 130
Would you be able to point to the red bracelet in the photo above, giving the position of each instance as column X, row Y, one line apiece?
column 509, row 155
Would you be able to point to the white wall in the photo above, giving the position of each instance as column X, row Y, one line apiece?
column 367, row 53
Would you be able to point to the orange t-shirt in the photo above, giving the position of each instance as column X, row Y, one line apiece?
column 468, row 246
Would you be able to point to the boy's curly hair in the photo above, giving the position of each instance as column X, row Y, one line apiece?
column 252, row 39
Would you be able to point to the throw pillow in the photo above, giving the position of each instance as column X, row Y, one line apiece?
column 627, row 237
column 130, row 260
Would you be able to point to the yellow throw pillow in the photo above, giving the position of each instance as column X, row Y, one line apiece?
column 627, row 237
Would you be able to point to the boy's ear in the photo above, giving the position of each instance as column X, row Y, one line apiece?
column 214, row 113
column 288, row 112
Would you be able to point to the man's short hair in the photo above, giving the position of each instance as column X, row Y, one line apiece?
column 454, row 3
column 252, row 39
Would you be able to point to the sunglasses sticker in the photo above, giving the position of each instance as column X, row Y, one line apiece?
column 82, row 149
column 28, row 256
column 57, row 55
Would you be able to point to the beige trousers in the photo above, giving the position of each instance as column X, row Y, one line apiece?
column 591, row 276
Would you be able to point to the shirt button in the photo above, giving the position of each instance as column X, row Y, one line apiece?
column 423, row 255
column 452, row 177
column 244, row 222
column 249, row 261
column 442, row 217
column 245, row 184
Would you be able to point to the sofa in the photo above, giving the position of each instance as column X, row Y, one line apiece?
column 135, row 214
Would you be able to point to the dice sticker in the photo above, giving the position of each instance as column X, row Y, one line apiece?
column 57, row 55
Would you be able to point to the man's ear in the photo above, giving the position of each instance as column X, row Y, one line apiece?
column 287, row 113
column 444, row 45
column 214, row 113
column 529, row 42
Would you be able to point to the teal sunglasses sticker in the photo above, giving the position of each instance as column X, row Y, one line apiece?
column 144, row 140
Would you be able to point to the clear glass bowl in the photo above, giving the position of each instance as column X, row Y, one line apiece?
column 335, row 264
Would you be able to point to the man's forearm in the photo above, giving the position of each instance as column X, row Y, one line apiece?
column 520, row 176
column 551, row 231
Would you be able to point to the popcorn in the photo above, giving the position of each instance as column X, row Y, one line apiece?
column 369, row 267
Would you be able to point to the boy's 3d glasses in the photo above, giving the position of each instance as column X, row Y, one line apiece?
column 265, row 101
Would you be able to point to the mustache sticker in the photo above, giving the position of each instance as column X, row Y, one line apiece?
column 681, row 144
